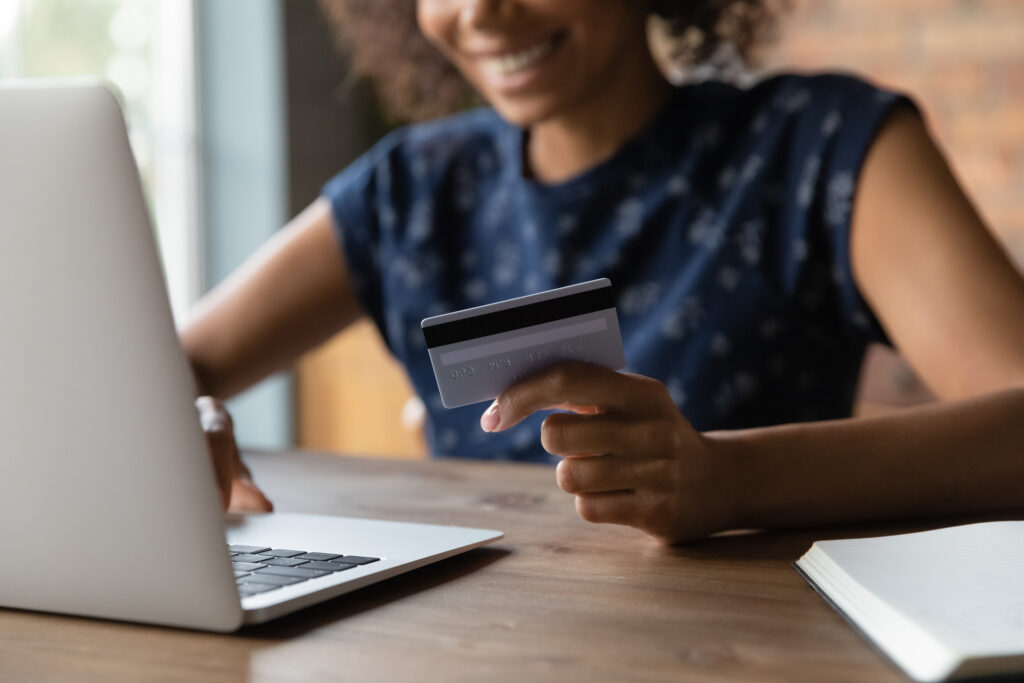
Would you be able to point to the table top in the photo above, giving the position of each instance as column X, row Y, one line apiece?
column 556, row 599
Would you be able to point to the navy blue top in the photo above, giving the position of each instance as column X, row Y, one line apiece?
column 724, row 227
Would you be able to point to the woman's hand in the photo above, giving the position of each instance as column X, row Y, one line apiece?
column 629, row 456
column 238, row 493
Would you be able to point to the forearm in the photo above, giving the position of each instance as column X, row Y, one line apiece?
column 292, row 295
column 963, row 457
column 233, row 342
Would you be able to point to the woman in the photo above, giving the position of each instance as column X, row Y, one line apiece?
column 758, row 240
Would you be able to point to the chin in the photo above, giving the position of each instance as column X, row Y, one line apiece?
column 525, row 113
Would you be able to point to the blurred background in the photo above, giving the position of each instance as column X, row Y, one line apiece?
column 240, row 110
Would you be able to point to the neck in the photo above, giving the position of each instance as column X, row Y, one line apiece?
column 591, row 131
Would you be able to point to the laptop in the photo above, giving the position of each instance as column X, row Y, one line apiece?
column 108, row 499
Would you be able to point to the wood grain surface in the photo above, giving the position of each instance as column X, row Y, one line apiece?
column 557, row 599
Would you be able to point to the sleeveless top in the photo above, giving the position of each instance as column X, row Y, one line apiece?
column 724, row 227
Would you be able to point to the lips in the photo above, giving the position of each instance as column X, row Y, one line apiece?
column 507, row 62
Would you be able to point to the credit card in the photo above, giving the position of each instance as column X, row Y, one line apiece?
column 478, row 352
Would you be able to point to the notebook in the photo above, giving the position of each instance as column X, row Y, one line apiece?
column 943, row 604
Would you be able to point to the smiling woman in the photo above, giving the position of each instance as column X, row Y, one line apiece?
column 759, row 236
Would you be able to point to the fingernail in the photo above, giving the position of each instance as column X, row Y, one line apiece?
column 491, row 418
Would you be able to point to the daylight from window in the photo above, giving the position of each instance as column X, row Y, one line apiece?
column 145, row 48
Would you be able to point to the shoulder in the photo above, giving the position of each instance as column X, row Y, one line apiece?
column 791, row 99
column 814, row 87
column 785, row 136
column 792, row 93
column 414, row 160
column 441, row 142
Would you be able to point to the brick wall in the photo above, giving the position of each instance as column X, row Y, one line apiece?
column 962, row 61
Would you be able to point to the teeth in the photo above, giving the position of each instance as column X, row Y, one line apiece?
column 519, row 61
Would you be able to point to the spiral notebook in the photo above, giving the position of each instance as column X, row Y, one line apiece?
column 943, row 605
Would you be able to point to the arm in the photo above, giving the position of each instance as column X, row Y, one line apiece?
column 292, row 295
column 289, row 297
column 954, row 305
column 951, row 301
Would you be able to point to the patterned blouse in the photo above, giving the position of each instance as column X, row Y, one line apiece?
column 724, row 227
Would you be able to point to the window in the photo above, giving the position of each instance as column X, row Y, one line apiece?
column 146, row 48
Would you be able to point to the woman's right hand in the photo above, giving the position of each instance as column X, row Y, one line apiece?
column 238, row 493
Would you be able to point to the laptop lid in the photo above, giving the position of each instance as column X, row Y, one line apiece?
column 108, row 503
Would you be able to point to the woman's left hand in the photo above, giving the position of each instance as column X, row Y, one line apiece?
column 629, row 456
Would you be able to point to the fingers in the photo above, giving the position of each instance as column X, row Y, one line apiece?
column 630, row 456
column 607, row 508
column 247, row 497
column 220, row 451
column 237, row 490
column 216, row 424
column 597, row 474
column 564, row 434
column 576, row 384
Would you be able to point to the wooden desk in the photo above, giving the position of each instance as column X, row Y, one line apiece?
column 558, row 599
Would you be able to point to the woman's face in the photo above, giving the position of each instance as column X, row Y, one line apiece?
column 535, row 59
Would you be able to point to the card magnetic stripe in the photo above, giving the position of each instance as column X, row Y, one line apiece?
column 519, row 317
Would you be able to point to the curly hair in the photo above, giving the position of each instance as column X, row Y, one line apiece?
column 415, row 82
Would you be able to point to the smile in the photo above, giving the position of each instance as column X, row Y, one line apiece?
column 509, row 63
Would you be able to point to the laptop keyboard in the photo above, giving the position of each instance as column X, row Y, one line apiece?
column 258, row 569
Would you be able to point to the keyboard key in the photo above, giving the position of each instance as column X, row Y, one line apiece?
column 249, row 557
column 291, row 571
column 253, row 588
column 271, row 579
column 285, row 562
column 282, row 552
column 328, row 566
column 240, row 574
column 356, row 559
column 246, row 566
column 247, row 548
column 320, row 557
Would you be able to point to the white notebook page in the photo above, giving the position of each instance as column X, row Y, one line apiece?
column 964, row 584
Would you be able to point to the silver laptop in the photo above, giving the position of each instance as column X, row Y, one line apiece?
column 108, row 501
